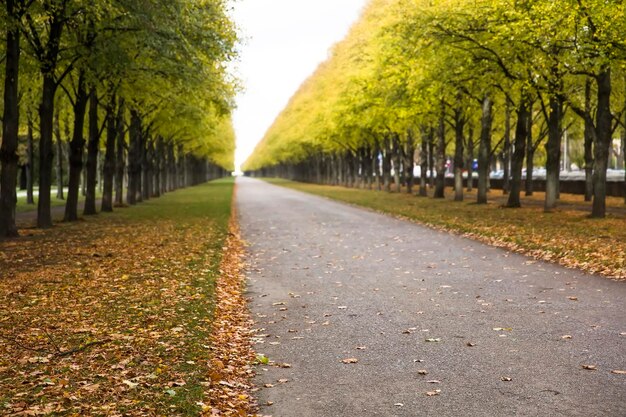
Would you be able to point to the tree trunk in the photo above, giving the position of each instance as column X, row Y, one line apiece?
column 553, row 151
column 120, row 159
column 397, row 161
column 387, row 165
column 589, row 140
column 92, row 154
column 146, row 168
column 530, row 153
column 423, row 191
column 506, row 154
column 603, row 142
column 459, row 126
column 376, row 167
column 59, row 167
column 48, row 64
column 109, row 158
column 431, row 159
column 521, row 132
column 484, row 148
column 440, row 157
column 10, row 128
column 46, row 110
column 30, row 168
column 409, row 161
column 134, row 161
column 470, row 159
column 77, row 145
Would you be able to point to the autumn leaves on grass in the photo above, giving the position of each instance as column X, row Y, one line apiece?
column 96, row 325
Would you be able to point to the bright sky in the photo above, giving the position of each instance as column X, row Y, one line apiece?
column 285, row 41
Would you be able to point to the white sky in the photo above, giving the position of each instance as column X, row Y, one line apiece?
column 285, row 40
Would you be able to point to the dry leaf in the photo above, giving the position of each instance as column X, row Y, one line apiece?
column 618, row 372
column 589, row 367
column 433, row 393
column 350, row 360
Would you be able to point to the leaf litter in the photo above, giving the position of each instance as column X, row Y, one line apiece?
column 93, row 324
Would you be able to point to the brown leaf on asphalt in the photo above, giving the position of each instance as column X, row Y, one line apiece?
column 618, row 372
column 433, row 393
column 572, row 298
column 567, row 336
column 505, row 379
column 470, row 344
column 349, row 360
column 282, row 381
column 422, row 372
column 589, row 367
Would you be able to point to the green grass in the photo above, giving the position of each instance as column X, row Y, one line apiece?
column 567, row 235
column 23, row 207
column 130, row 277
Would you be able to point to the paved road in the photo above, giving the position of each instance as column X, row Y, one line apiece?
column 330, row 282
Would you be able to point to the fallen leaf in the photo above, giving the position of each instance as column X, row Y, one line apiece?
column 268, row 385
column 434, row 381
column 505, row 379
column 618, row 372
column 589, row 367
column 422, row 372
column 505, row 329
column 398, row 405
column 567, row 336
column 350, row 360
column 433, row 339
column 130, row 383
column 573, row 298
column 433, row 393
column 470, row 344
column 282, row 381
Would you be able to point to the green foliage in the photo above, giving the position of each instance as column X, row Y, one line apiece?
column 403, row 58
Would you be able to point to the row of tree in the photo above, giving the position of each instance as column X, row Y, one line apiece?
column 142, row 81
column 475, row 78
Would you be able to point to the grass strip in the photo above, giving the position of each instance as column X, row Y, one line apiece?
column 113, row 315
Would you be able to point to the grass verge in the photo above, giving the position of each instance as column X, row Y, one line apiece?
column 23, row 207
column 567, row 235
column 113, row 315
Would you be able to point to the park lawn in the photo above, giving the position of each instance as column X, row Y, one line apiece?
column 566, row 236
column 23, row 207
column 113, row 315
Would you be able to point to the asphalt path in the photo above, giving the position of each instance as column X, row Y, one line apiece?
column 439, row 325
